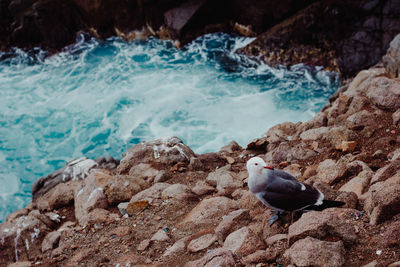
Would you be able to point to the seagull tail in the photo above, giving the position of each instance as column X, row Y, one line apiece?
column 326, row 204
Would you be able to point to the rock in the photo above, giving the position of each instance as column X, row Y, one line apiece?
column 162, row 176
column 360, row 119
column 347, row 146
column 134, row 207
column 177, row 248
column 290, row 153
column 91, row 196
column 243, row 242
column 209, row 211
column 339, row 134
column 100, row 216
column 361, row 82
column 358, row 184
column 145, row 172
column 391, row 236
column 176, row 191
column 383, row 200
column 51, row 241
column 394, row 264
column 396, row 117
column 76, row 169
column 143, row 245
column 373, row 263
column 201, row 243
column 122, row 207
column 231, row 148
column 270, row 241
column 280, row 132
column 260, row 256
column 391, row 60
column 385, row 93
column 130, row 260
column 330, row 171
column 329, row 222
column 385, row 172
column 217, row 257
column 314, row 252
column 225, row 180
column 314, row 134
column 350, row 198
column 202, row 188
column 294, row 170
column 150, row 193
column 121, row 188
column 176, row 18
column 107, row 163
column 338, row 107
column 20, row 264
column 60, row 196
column 160, row 236
column 232, row 222
column 258, row 144
column 167, row 151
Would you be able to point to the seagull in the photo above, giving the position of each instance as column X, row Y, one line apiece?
column 282, row 192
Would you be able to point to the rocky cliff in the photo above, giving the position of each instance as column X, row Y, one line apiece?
column 163, row 205
column 346, row 36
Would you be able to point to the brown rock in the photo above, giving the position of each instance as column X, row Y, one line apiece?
column 385, row 172
column 60, row 196
column 360, row 119
column 363, row 79
column 347, row 146
column 391, row 236
column 178, row 247
column 385, row 93
column 391, row 60
column 51, row 241
column 121, row 188
column 232, row 222
column 145, row 172
column 260, row 256
column 201, row 243
column 293, row 169
column 314, row 252
column 231, row 147
column 394, row 264
column 217, row 257
column 243, row 242
column 144, row 245
column 202, row 188
column 383, row 200
column 330, row 171
column 314, row 134
column 210, row 210
column 349, row 198
column 396, row 117
column 160, row 236
column 176, row 191
column 276, row 238
column 129, row 260
column 167, row 151
column 100, row 216
column 225, row 180
column 333, row 222
column 290, row 153
column 20, row 264
column 134, row 207
column 336, row 135
column 150, row 193
column 358, row 184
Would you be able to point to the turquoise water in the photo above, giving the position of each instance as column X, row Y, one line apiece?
column 99, row 98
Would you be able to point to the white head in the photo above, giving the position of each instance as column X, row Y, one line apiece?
column 255, row 166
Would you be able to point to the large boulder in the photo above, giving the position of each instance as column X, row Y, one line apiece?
column 385, row 93
column 165, row 152
column 120, row 188
column 314, row 252
column 391, row 60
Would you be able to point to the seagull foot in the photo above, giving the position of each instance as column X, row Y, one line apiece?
column 275, row 217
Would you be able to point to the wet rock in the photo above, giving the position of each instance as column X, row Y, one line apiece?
column 160, row 236
column 358, row 184
column 167, row 151
column 120, row 188
column 202, row 188
column 209, row 211
column 91, row 196
column 330, row 171
column 51, row 241
column 232, row 222
column 314, row 252
column 76, row 169
column 60, row 196
column 333, row 222
column 201, row 243
column 391, row 60
column 179, row 191
column 150, row 193
column 385, row 172
column 225, row 180
column 385, row 93
column 217, row 257
column 243, row 242
column 383, row 200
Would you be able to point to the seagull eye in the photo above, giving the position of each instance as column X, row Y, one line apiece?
column 256, row 164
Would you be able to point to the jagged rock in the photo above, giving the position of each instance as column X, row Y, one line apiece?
column 202, row 188
column 314, row 252
column 333, row 221
column 121, row 188
column 385, row 172
column 280, row 132
column 217, row 257
column 249, row 201
column 360, row 119
column 74, row 170
column 150, row 193
column 385, row 93
column 243, row 242
column 201, row 243
column 391, row 60
column 60, row 196
column 358, row 184
column 314, row 134
column 162, row 176
column 160, row 236
column 330, row 171
column 176, row 18
column 383, row 200
column 51, row 241
column 209, row 210
column 232, row 222
column 225, row 180
column 231, row 147
column 176, row 191
column 91, row 196
column 167, row 151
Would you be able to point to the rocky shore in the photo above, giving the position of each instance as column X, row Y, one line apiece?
column 345, row 36
column 164, row 205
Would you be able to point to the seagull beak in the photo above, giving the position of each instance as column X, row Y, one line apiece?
column 269, row 167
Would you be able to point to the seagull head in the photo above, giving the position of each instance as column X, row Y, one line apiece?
column 255, row 166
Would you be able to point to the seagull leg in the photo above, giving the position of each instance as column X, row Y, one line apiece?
column 275, row 217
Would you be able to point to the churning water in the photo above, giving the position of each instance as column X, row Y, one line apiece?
column 99, row 98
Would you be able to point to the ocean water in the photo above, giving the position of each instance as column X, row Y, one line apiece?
column 101, row 97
